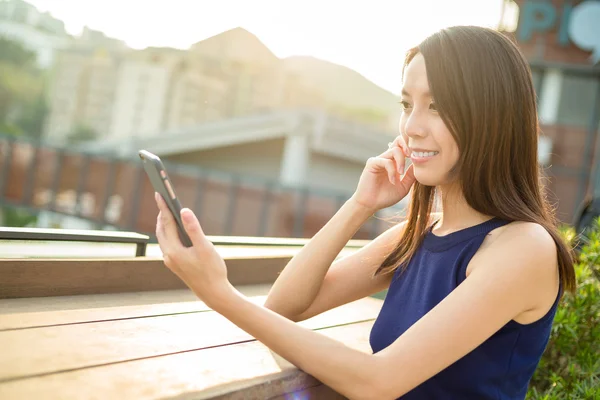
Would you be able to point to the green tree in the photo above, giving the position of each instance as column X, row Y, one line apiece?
column 12, row 52
column 33, row 116
column 570, row 366
column 23, row 106
column 18, row 89
column 15, row 218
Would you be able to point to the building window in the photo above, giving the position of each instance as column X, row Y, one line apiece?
column 577, row 100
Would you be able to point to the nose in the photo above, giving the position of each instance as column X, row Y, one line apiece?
column 415, row 125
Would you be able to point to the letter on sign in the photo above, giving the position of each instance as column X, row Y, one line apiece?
column 535, row 16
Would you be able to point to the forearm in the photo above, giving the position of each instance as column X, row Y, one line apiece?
column 346, row 370
column 298, row 284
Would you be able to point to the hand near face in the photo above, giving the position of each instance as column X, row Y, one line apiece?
column 385, row 180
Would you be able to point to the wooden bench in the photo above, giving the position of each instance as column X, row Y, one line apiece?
column 128, row 328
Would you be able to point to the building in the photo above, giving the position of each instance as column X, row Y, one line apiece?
column 90, row 38
column 196, row 95
column 82, row 93
column 38, row 32
column 83, row 72
column 296, row 149
column 142, row 93
column 127, row 94
column 227, row 104
column 560, row 40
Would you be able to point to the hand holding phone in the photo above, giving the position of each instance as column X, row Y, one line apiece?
column 160, row 182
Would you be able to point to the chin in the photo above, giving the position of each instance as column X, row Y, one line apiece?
column 428, row 178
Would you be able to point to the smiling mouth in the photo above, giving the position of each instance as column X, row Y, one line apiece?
column 424, row 154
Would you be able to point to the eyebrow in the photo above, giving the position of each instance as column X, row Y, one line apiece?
column 426, row 93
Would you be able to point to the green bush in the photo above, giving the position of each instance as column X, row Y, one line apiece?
column 570, row 366
column 16, row 218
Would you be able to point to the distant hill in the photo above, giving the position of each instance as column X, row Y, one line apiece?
column 347, row 92
column 342, row 85
column 236, row 44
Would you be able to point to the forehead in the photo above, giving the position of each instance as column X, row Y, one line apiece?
column 415, row 77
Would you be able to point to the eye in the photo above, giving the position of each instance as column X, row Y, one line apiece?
column 433, row 107
column 405, row 105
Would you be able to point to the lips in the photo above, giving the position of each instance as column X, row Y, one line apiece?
column 421, row 152
column 419, row 155
column 425, row 153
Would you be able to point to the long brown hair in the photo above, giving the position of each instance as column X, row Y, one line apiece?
column 484, row 93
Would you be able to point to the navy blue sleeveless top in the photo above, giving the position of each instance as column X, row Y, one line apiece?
column 502, row 366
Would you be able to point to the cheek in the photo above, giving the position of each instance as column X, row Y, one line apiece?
column 451, row 153
column 447, row 143
column 449, row 149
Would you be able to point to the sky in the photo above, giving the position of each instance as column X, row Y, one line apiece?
column 369, row 36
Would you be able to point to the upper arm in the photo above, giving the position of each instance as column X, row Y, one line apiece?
column 350, row 278
column 516, row 273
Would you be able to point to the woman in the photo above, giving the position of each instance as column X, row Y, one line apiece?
column 472, row 290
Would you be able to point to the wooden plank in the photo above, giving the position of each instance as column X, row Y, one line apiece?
column 91, row 301
column 41, row 278
column 38, row 351
column 32, row 317
column 239, row 371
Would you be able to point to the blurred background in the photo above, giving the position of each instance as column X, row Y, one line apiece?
column 263, row 111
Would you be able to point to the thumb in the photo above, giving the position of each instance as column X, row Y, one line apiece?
column 192, row 226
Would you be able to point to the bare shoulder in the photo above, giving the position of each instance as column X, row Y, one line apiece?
column 524, row 254
column 530, row 238
column 528, row 245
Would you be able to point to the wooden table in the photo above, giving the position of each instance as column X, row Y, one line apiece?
column 148, row 343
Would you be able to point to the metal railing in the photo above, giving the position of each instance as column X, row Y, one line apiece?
column 113, row 191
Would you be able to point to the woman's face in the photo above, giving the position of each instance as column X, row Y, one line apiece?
column 433, row 149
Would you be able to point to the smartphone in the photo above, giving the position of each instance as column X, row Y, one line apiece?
column 161, row 183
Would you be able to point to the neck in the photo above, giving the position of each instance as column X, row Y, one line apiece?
column 457, row 214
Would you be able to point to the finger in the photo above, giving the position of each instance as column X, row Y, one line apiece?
column 387, row 153
column 160, row 235
column 399, row 158
column 408, row 179
column 402, row 143
column 406, row 150
column 163, row 241
column 387, row 164
column 397, row 154
column 192, row 227
column 160, row 202
column 165, row 230
column 165, row 223
column 399, row 142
